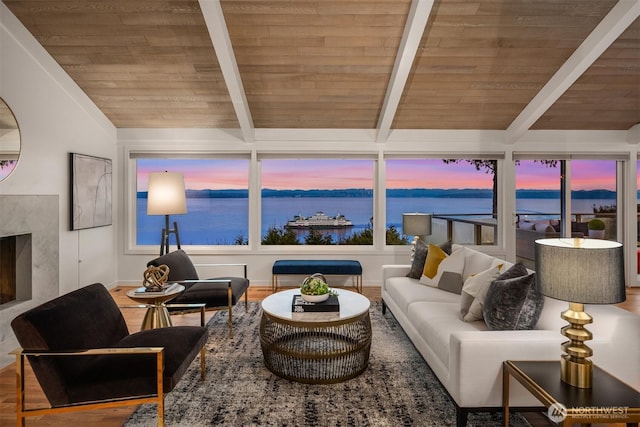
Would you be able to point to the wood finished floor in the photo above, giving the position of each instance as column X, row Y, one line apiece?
column 117, row 416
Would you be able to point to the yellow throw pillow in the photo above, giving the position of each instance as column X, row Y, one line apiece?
column 435, row 255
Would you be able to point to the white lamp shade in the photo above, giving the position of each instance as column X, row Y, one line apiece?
column 584, row 271
column 166, row 195
column 416, row 224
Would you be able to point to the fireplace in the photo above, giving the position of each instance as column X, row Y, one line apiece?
column 30, row 239
column 15, row 268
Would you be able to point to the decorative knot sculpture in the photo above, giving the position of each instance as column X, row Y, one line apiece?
column 155, row 277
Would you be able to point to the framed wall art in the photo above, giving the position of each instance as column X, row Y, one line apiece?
column 91, row 181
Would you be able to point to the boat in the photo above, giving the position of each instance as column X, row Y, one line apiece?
column 319, row 220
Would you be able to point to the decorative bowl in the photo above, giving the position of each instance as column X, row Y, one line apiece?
column 315, row 298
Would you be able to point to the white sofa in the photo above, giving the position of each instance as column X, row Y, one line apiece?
column 467, row 357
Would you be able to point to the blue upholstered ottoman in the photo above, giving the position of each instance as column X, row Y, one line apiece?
column 328, row 267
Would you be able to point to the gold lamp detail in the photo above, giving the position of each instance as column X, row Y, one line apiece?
column 580, row 271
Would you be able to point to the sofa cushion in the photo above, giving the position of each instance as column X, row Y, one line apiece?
column 475, row 262
column 436, row 321
column 435, row 256
column 474, row 291
column 453, row 263
column 419, row 257
column 451, row 282
column 403, row 291
column 513, row 304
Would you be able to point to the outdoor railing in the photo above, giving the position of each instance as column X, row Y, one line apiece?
column 483, row 229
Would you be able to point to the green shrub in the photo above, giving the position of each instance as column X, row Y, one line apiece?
column 596, row 224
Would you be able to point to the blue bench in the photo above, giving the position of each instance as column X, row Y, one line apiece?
column 326, row 267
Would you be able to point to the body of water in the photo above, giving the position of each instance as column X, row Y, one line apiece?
column 223, row 221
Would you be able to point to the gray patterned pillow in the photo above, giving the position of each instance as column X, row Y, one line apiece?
column 513, row 304
column 419, row 258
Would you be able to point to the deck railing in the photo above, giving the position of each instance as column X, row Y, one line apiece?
column 483, row 230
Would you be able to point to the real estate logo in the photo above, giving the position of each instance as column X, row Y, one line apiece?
column 557, row 412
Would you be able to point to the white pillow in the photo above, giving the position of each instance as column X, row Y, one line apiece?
column 474, row 292
column 453, row 263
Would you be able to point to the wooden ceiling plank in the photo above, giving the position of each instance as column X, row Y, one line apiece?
column 414, row 28
column 217, row 28
column 621, row 16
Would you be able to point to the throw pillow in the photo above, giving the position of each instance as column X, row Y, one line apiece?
column 516, row 270
column 419, row 258
column 513, row 304
column 452, row 263
column 450, row 282
column 435, row 255
column 474, row 292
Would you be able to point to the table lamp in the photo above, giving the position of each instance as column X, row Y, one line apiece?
column 417, row 225
column 580, row 271
column 166, row 196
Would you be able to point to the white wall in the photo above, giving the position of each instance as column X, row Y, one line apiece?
column 55, row 118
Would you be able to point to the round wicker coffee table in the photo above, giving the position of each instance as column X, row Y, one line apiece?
column 317, row 348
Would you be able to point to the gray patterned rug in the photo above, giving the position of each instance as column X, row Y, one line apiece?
column 397, row 389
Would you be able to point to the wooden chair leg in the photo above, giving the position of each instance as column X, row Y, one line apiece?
column 159, row 376
column 20, row 391
column 203, row 363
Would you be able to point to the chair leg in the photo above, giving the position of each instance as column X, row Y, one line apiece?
column 159, row 375
column 203, row 363
column 246, row 301
column 20, row 384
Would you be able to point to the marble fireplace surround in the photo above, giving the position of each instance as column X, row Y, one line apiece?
column 37, row 215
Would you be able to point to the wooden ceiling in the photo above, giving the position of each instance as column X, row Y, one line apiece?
column 349, row 64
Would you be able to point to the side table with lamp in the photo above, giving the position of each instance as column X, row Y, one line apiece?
column 580, row 271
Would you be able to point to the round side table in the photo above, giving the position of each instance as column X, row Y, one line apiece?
column 157, row 315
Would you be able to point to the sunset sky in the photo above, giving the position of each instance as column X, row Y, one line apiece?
column 339, row 174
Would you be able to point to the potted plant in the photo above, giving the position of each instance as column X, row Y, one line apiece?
column 596, row 228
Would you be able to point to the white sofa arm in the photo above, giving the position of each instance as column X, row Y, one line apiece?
column 475, row 362
column 394, row 270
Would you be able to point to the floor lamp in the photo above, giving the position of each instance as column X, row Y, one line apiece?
column 417, row 225
column 166, row 196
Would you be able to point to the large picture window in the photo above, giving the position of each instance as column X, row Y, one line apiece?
column 217, row 201
column 460, row 193
column 317, row 202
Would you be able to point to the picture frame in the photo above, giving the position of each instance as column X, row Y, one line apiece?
column 91, row 191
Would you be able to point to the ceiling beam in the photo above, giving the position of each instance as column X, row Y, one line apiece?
column 608, row 30
column 413, row 30
column 217, row 26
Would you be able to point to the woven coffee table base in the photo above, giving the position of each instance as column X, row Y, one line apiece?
column 316, row 352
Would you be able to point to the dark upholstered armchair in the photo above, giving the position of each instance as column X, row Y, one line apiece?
column 220, row 293
column 84, row 358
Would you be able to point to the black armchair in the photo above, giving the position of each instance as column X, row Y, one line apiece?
column 220, row 293
column 84, row 358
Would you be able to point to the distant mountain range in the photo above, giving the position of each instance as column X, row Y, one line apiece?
column 465, row 193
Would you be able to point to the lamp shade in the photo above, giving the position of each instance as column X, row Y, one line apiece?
column 166, row 194
column 584, row 271
column 416, row 224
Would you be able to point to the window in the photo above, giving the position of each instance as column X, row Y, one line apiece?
column 593, row 197
column 217, row 201
column 461, row 194
column 317, row 201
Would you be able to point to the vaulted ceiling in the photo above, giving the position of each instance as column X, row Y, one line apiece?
column 344, row 64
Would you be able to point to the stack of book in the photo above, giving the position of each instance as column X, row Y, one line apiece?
column 165, row 290
column 298, row 305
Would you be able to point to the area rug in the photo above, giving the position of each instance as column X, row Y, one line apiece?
column 397, row 389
